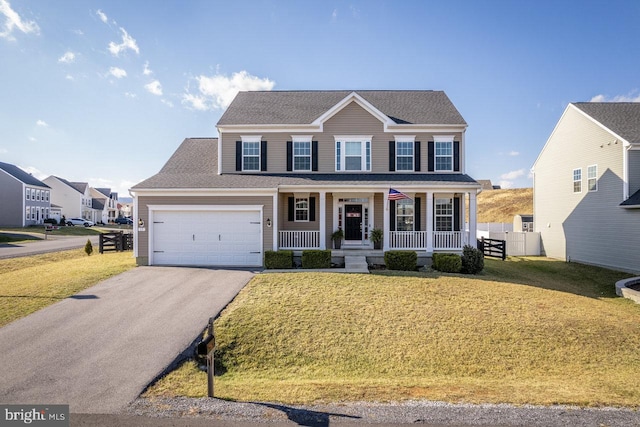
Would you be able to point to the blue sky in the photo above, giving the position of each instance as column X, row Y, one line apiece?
column 105, row 91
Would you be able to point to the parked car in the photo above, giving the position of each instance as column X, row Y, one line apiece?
column 124, row 221
column 80, row 221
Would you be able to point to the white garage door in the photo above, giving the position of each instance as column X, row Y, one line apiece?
column 207, row 238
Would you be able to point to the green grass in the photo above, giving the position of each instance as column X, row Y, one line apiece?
column 28, row 284
column 528, row 330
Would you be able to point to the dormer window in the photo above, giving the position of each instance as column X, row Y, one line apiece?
column 251, row 153
column 353, row 153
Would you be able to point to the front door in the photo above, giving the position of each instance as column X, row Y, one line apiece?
column 353, row 222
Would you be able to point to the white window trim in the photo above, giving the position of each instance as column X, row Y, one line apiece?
column 442, row 138
column 412, row 140
column 302, row 138
column 436, row 215
column 27, row 194
column 363, row 139
column 595, row 178
column 574, row 180
column 413, row 203
column 251, row 139
column 296, row 209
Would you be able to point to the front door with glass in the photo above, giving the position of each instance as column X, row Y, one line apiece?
column 353, row 222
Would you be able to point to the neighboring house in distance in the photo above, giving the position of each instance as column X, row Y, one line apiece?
column 487, row 185
column 291, row 167
column 125, row 206
column 74, row 198
column 587, row 186
column 105, row 205
column 24, row 199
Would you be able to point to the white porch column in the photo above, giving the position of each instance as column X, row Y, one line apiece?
column 429, row 221
column 323, row 220
column 386, row 218
column 473, row 224
column 274, row 221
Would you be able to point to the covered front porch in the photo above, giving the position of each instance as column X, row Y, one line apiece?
column 424, row 221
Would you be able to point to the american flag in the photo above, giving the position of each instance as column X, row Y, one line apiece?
column 397, row 195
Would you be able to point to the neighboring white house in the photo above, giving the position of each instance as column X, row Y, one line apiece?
column 105, row 205
column 74, row 198
column 587, row 186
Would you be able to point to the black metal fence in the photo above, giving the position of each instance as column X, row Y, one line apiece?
column 493, row 248
column 118, row 241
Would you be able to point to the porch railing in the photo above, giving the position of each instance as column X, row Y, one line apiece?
column 454, row 240
column 298, row 239
column 449, row 239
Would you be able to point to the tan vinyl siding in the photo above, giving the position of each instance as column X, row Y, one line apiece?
column 351, row 120
column 634, row 171
column 145, row 201
column 587, row 227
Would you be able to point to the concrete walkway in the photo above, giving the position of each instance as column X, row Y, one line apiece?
column 98, row 350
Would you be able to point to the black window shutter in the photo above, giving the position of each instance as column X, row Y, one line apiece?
column 238, row 155
column 291, row 212
column 263, row 155
column 289, row 156
column 416, row 156
column 456, row 156
column 392, row 156
column 312, row 208
column 431, row 156
column 416, row 214
column 392, row 215
column 314, row 156
column 456, row 214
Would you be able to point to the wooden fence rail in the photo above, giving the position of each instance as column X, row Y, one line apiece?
column 116, row 242
column 493, row 248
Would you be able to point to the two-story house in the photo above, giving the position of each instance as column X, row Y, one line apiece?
column 24, row 199
column 105, row 205
column 291, row 167
column 74, row 198
column 587, row 186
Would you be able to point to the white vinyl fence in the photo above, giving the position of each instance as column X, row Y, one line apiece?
column 518, row 243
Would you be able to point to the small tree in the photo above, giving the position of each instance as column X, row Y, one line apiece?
column 63, row 221
column 88, row 247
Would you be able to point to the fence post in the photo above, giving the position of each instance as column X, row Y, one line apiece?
column 101, row 240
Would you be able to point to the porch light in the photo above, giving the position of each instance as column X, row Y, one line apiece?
column 268, row 222
column 140, row 222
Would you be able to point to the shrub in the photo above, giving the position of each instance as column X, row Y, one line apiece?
column 447, row 263
column 52, row 221
column 472, row 260
column 88, row 247
column 316, row 259
column 63, row 221
column 278, row 259
column 401, row 260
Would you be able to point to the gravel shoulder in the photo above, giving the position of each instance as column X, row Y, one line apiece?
column 410, row 412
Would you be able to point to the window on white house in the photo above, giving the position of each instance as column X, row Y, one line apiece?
column 404, row 215
column 592, row 178
column 302, row 209
column 301, row 155
column 27, row 194
column 444, row 214
column 33, row 194
column 577, row 180
column 28, row 213
column 444, row 156
column 38, row 195
column 251, row 155
column 404, row 155
column 353, row 153
column 47, row 196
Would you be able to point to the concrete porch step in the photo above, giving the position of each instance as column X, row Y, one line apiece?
column 356, row 264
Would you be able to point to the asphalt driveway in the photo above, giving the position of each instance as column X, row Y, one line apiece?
column 97, row 351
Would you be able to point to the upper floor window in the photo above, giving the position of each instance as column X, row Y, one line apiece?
column 47, row 195
column 33, row 194
column 27, row 194
column 444, row 214
column 353, row 153
column 38, row 195
column 444, row 154
column 592, row 178
column 577, row 180
column 404, row 215
column 301, row 153
column 405, row 154
column 250, row 155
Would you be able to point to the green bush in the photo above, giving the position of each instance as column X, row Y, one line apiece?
column 447, row 263
column 316, row 259
column 51, row 221
column 472, row 260
column 88, row 247
column 401, row 260
column 278, row 259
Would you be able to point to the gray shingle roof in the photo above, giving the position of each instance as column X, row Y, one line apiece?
column 21, row 175
column 303, row 107
column 194, row 165
column 622, row 118
column 97, row 204
column 634, row 200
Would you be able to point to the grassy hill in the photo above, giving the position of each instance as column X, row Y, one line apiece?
column 502, row 205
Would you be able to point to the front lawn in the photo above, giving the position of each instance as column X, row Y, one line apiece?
column 28, row 284
column 528, row 330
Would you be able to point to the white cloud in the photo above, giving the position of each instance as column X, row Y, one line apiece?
column 14, row 21
column 217, row 91
column 505, row 184
column 130, row 95
column 514, row 153
column 78, row 32
column 128, row 42
column 632, row 96
column 42, row 123
column 102, row 16
column 334, row 16
column 167, row 103
column 67, row 58
column 32, row 139
column 513, row 174
column 69, row 77
column 146, row 71
column 118, row 73
column 154, row 87
column 34, row 171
